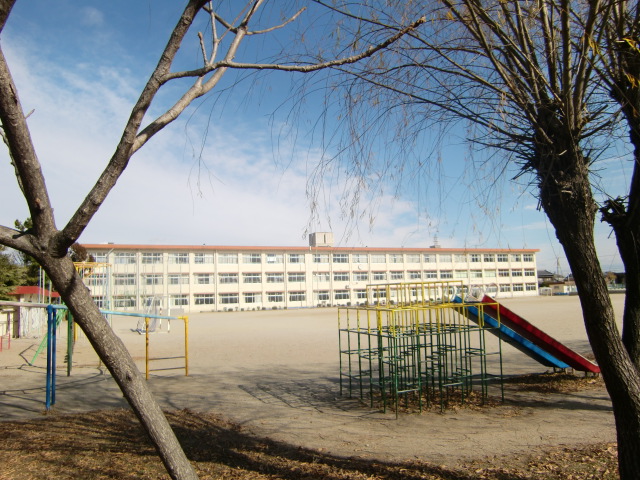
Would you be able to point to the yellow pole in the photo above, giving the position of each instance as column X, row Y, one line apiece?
column 146, row 335
column 186, row 346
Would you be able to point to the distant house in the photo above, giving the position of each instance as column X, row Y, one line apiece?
column 546, row 277
column 34, row 294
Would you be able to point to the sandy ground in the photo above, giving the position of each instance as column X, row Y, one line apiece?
column 277, row 373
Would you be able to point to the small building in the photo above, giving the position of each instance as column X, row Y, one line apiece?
column 34, row 294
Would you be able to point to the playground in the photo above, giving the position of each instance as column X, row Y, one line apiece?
column 277, row 374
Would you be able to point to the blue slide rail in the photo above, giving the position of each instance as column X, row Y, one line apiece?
column 513, row 338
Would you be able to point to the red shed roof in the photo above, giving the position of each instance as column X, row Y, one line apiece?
column 33, row 290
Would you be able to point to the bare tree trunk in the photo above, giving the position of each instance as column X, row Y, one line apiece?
column 117, row 359
column 567, row 200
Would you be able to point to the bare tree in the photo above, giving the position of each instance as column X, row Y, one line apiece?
column 527, row 77
column 49, row 245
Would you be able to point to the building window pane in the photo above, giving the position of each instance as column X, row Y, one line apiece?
column 228, row 258
column 297, row 277
column 202, row 258
column 204, row 299
column 203, row 278
column 413, row 258
column 444, row 274
column 527, row 257
column 489, row 257
column 378, row 258
column 516, row 257
column 125, row 258
column 321, row 276
column 297, row 296
column 179, row 258
column 429, row 258
column 274, row 297
column 275, row 277
column 251, row 278
column 475, row 258
column 415, row 275
column 124, row 279
column 460, row 274
column 320, row 258
column 228, row 298
column 252, row 298
column 340, row 276
column 340, row 258
column 295, row 258
column 359, row 258
column 252, row 258
column 322, row 296
column 274, row 258
column 341, row 294
column 430, row 274
column 503, row 272
column 124, row 302
column 152, row 279
column 379, row 276
column 361, row 277
column 226, row 278
column 178, row 300
column 458, row 258
column 151, row 258
column 178, row 279
column 503, row 257
column 396, row 275
column 445, row 257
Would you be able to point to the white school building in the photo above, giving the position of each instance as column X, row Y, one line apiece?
column 223, row 278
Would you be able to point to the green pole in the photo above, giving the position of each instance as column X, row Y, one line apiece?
column 69, row 343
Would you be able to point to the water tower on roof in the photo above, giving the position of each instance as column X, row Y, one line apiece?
column 321, row 239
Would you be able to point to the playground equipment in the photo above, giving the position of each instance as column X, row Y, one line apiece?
column 55, row 313
column 410, row 342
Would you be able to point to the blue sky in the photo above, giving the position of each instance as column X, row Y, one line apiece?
column 225, row 174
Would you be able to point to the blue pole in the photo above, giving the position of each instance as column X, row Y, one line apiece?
column 50, row 351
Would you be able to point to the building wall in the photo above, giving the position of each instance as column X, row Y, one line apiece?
column 227, row 278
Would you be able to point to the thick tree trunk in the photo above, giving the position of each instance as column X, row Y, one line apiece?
column 568, row 202
column 117, row 359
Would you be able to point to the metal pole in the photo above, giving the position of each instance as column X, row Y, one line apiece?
column 146, row 334
column 186, row 346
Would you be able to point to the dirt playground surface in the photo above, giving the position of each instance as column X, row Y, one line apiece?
column 276, row 374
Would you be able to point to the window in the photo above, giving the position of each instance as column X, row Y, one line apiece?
column 203, row 278
column 97, row 279
column 460, row 258
column 275, row 277
column 527, row 257
column 252, row 298
column 152, row 279
column 360, row 276
column 446, row 258
column 297, row 277
column 125, row 258
column 273, row 258
column 444, row 274
column 297, row 296
column 100, row 301
column 516, row 257
column 320, row 258
column 179, row 258
column 274, row 297
column 529, row 272
column 503, row 257
column 430, row 274
column 361, row 294
column 341, row 295
column 322, row 296
column 341, row 276
column 460, row 274
column 178, row 279
column 228, row 258
column 505, row 288
column 516, row 273
column 518, row 287
column 228, row 298
column 251, row 278
column 415, row 275
column 295, row 258
column 204, row 299
column 202, row 258
column 475, row 258
column 489, row 274
column 321, row 276
column 413, row 258
column 503, row 272
column 359, row 258
column 489, row 257
column 380, row 293
column 178, row 300
column 124, row 279
column 396, row 275
column 396, row 258
column 252, row 258
column 151, row 258
column 340, row 258
column 100, row 257
column 476, row 274
column 226, row 278
column 530, row 287
column 124, row 302
column 429, row 258
column 378, row 258
column 379, row 275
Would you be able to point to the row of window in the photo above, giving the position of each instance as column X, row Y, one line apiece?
column 228, row 278
column 147, row 258
column 319, row 296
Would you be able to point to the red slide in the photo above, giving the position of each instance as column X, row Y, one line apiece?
column 539, row 338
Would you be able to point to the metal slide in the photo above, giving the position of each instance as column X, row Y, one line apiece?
column 508, row 335
column 536, row 336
